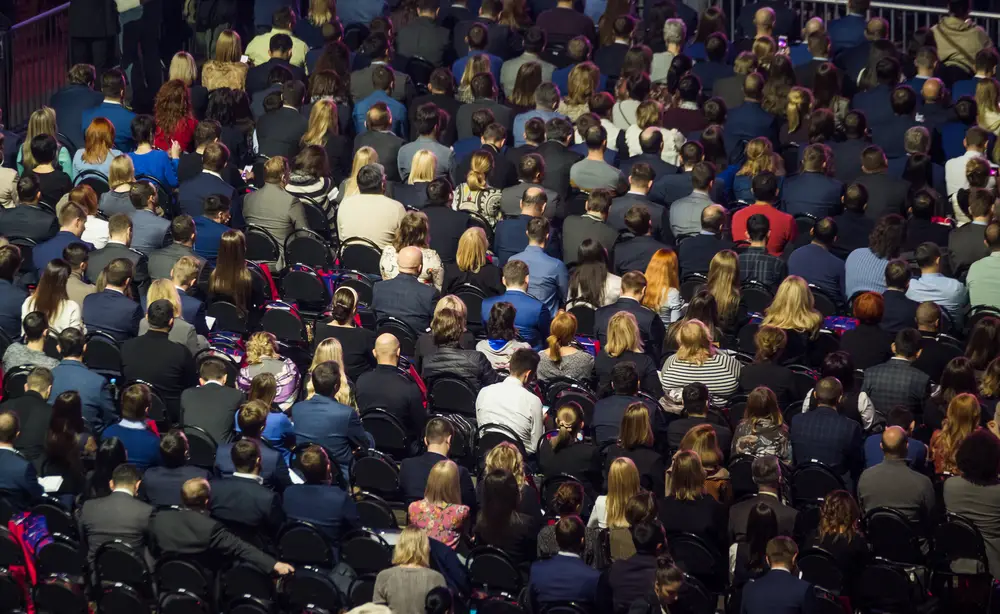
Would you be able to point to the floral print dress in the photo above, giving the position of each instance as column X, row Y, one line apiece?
column 442, row 521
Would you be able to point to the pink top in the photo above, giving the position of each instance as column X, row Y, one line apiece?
column 442, row 521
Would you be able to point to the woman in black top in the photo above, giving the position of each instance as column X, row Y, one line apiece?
column 506, row 457
column 635, row 442
column 750, row 562
column 231, row 108
column 67, row 443
column 231, row 280
column 839, row 534
column 323, row 131
column 110, row 454
column 356, row 341
column 500, row 524
column 567, row 453
column 624, row 344
column 767, row 371
column 868, row 344
column 426, row 345
column 473, row 266
column 688, row 508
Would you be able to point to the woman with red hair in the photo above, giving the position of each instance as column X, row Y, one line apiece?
column 868, row 344
column 663, row 294
column 174, row 118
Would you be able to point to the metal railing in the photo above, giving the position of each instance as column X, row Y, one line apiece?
column 34, row 54
column 904, row 19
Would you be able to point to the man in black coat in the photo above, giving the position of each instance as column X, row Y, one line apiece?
column 161, row 484
column 386, row 388
column 637, row 245
column 212, row 405
column 413, row 471
column 422, row 37
column 504, row 173
column 93, row 26
column 447, row 223
column 934, row 355
column 640, row 180
column 71, row 101
column 279, row 132
column 651, row 143
column 591, row 226
column 673, row 186
column 33, row 412
column 557, row 155
column 767, row 476
column 694, row 254
column 404, row 296
column 886, row 194
column 27, row 219
column 650, row 325
column 241, row 501
column 441, row 92
column 484, row 94
column 380, row 137
column 280, row 52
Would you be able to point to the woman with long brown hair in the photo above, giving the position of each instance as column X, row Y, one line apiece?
column 724, row 284
column 762, row 431
column 663, row 284
column 962, row 419
column 592, row 283
column 514, row 15
column 175, row 120
column 310, row 178
column 50, row 298
column 529, row 77
column 450, row 359
column 703, row 439
column 839, row 533
column 582, row 83
column 98, row 149
column 230, row 280
column 767, row 370
column 413, row 231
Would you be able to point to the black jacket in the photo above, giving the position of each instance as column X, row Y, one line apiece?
column 578, row 228
column 489, row 279
column 243, row 504
column 778, row 378
column 161, row 486
column 633, row 253
column 413, row 474
column 558, row 160
column 195, row 533
column 503, row 115
column 448, row 103
column 578, row 459
column 694, row 254
column 257, row 76
column 212, row 407
column 886, row 194
column 168, row 366
column 93, row 19
column 468, row 365
column 357, row 343
column 33, row 414
column 448, row 227
column 384, row 387
column 29, row 222
column 504, row 173
column 279, row 132
column 648, row 462
column 386, row 145
column 853, row 230
column 650, row 324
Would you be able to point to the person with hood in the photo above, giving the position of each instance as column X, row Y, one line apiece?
column 958, row 38
column 501, row 336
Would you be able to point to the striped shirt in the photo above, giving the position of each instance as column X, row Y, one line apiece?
column 720, row 373
column 864, row 272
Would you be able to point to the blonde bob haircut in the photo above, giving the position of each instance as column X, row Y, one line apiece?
column 442, row 484
column 623, row 484
column 260, row 346
column 362, row 158
column 121, row 172
column 623, row 335
column 412, row 548
column 164, row 289
column 183, row 68
column 471, row 254
column 793, row 308
column 423, row 168
column 450, row 301
column 506, row 456
column 695, row 342
column 636, row 428
column 703, row 440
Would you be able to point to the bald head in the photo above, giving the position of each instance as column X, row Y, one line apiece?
column 195, row 493
column 386, row 349
column 932, row 90
column 764, row 20
column 928, row 317
column 712, row 218
column 894, row 442
column 813, row 25
column 411, row 260
column 533, row 202
column 9, row 427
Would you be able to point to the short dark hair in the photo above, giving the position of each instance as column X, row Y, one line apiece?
column 135, row 402
column 140, row 193
column 534, row 40
column 558, row 129
column 44, row 148
column 442, row 80
column 570, row 533
column 695, row 396
column 75, row 254
column 426, row 119
column 596, row 137
column 119, row 271
column 897, row 274
column 126, row 474
column 758, row 226
column 280, row 43
column 828, row 391
column 692, row 152
column 908, row 342
column 716, row 47
column 370, row 179
column 765, row 186
column 483, row 85
column 637, row 220
column 530, row 166
column 326, row 378
column 855, row 124
column 978, row 457
column 112, row 82
column 206, row 131
column 855, row 197
column 159, row 313
column 71, row 342
column 625, row 378
column 927, row 254
column 182, row 228
column 825, row 231
column 10, row 261
column 702, row 175
column 34, row 324
column 216, row 204
column 315, row 464
column 523, row 361
column 245, row 454
column 481, row 118
column 534, row 129
column 28, row 188
column 650, row 141
column 903, row 100
column 478, row 37
column 689, row 87
column 173, row 449
column 538, row 229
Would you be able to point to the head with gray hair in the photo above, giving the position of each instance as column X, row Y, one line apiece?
column 547, row 96
column 917, row 140
column 371, row 179
column 766, row 472
column 674, row 32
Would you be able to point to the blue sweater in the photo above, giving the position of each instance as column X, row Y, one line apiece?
column 156, row 164
column 141, row 445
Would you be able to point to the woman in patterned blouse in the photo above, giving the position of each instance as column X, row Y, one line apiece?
column 440, row 513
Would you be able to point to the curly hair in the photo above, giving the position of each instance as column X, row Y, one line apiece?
column 839, row 516
column 172, row 106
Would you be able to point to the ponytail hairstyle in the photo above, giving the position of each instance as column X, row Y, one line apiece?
column 480, row 165
column 345, row 301
column 569, row 421
column 562, row 332
column 800, row 102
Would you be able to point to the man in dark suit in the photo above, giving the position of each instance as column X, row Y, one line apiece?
column 118, row 246
column 162, row 261
column 813, row 191
column 11, row 297
column 886, row 194
column 565, row 577
column 898, row 382
column 119, row 516
column 900, row 311
column 279, row 132
column 378, row 49
column 889, row 133
column 155, row 359
column 184, row 274
column 98, row 406
column 934, row 355
column 441, row 94
column 629, row 580
column 413, row 471
column 504, row 173
column 591, row 226
column 875, row 103
column 71, row 101
column 422, row 37
column 241, row 501
column 780, row 589
column 967, row 244
column 190, row 530
column 404, row 296
column 192, row 193
column 651, row 143
column 557, row 155
column 917, row 140
column 730, row 89
column 110, row 310
column 318, row 501
column 650, row 325
column 749, row 120
column 113, row 109
column 921, row 227
column 695, row 253
column 454, row 12
column 637, row 245
column 380, row 137
column 93, row 25
column 849, row 31
column 510, row 236
column 825, row 435
column 766, row 472
column 273, row 470
column 212, row 224
column 714, row 68
column 853, row 61
column 484, row 94
column 530, row 174
column 819, row 48
column 190, row 164
column 783, row 23
column 212, row 405
column 280, row 52
column 640, row 182
column 33, row 413
column 532, row 317
column 161, row 485
column 18, row 479
column 847, row 153
column 384, row 387
column 448, row 224
column 673, row 186
column 27, row 219
column 853, row 226
column 609, row 58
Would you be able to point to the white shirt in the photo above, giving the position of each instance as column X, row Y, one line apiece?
column 68, row 316
column 954, row 172
column 248, row 476
column 509, row 404
column 95, row 231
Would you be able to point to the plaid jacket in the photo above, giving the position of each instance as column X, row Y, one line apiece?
column 823, row 434
column 893, row 383
column 758, row 265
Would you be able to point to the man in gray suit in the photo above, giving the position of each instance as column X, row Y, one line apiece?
column 484, row 93
column 968, row 243
column 893, row 484
column 422, row 37
column 591, row 225
column 119, row 515
column 685, row 213
column 534, row 45
column 162, row 260
column 274, row 209
column 150, row 232
column 530, row 174
column 640, row 181
column 427, row 124
column 119, row 240
column 376, row 46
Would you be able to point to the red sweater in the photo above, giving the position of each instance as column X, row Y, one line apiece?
column 783, row 228
column 183, row 133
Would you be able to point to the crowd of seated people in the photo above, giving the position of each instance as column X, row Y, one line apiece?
column 627, row 274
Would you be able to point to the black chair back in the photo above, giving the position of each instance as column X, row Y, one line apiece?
column 317, row 219
column 690, row 285
column 375, row 512
column 57, row 518
column 309, row 586
column 182, row 601
column 491, row 569
column 697, row 558
column 228, row 317
column 490, row 436
column 756, row 296
column 97, row 180
column 283, row 323
column 302, row 286
column 201, row 447
column 882, row 587
column 805, row 223
column 103, row 354
column 453, row 395
column 249, row 605
column 27, row 247
column 232, row 368
column 362, row 590
column 820, row 568
column 360, row 254
column 376, row 473
column 585, row 319
column 121, row 599
column 812, row 480
column 388, row 432
column 420, row 71
column 402, row 331
column 301, row 543
column 366, row 552
column 893, row 537
column 361, row 283
column 262, row 246
column 309, row 248
column 957, row 540
column 175, row 573
column 741, row 476
column 478, row 221
column 354, row 35
column 62, row 556
column 823, row 302
column 116, row 562
column 473, row 297
column 60, row 594
column 14, row 382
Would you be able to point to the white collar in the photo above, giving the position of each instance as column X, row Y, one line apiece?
column 124, row 491
column 133, row 424
column 211, row 173
column 510, row 379
column 570, row 554
column 248, row 476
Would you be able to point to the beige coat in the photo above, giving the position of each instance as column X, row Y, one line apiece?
column 215, row 75
column 959, row 40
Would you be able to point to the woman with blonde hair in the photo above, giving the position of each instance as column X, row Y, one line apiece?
column 764, row 48
column 356, row 342
column 51, row 299
column 762, row 431
column 562, row 359
column 423, row 170
column 988, row 105
column 623, row 484
column 529, row 77
column 309, row 29
column 582, row 83
column 121, row 177
column 506, row 457
column 624, row 344
column 635, row 442
column 760, row 157
column 649, row 114
column 697, row 360
column 181, row 332
column 226, row 69
column 98, row 149
column 42, row 121
column 793, row 310
column 478, row 63
column 476, row 195
column 441, row 512
column 262, row 357
column 413, row 231
column 797, row 110
column 183, row 68
column 704, row 441
column 473, row 265
column 514, row 15
column 663, row 294
column 404, row 586
column 362, row 158
column 724, row 284
column 328, row 350
column 323, row 131
column 95, row 230
column 962, row 419
column 688, row 508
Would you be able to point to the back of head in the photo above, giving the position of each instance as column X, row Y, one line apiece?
column 907, row 343
column 196, row 493
column 781, row 552
column 828, row 391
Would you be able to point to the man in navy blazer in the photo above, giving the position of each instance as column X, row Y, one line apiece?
column 161, row 485
column 876, row 102
column 510, row 236
column 779, row 590
column 674, row 186
column 324, row 421
column 113, row 109
column 849, row 31
column 328, row 507
column 110, row 310
column 825, row 435
column 71, row 101
column 273, row 469
column 749, row 120
column 192, row 193
column 650, row 325
column 11, row 296
column 404, row 296
column 532, row 317
column 71, row 222
column 184, row 274
column 413, row 471
column 18, row 480
column 695, row 253
column 242, row 499
column 27, row 219
column 71, row 374
column 210, row 226
column 813, row 191
column 150, row 232
column 565, row 577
